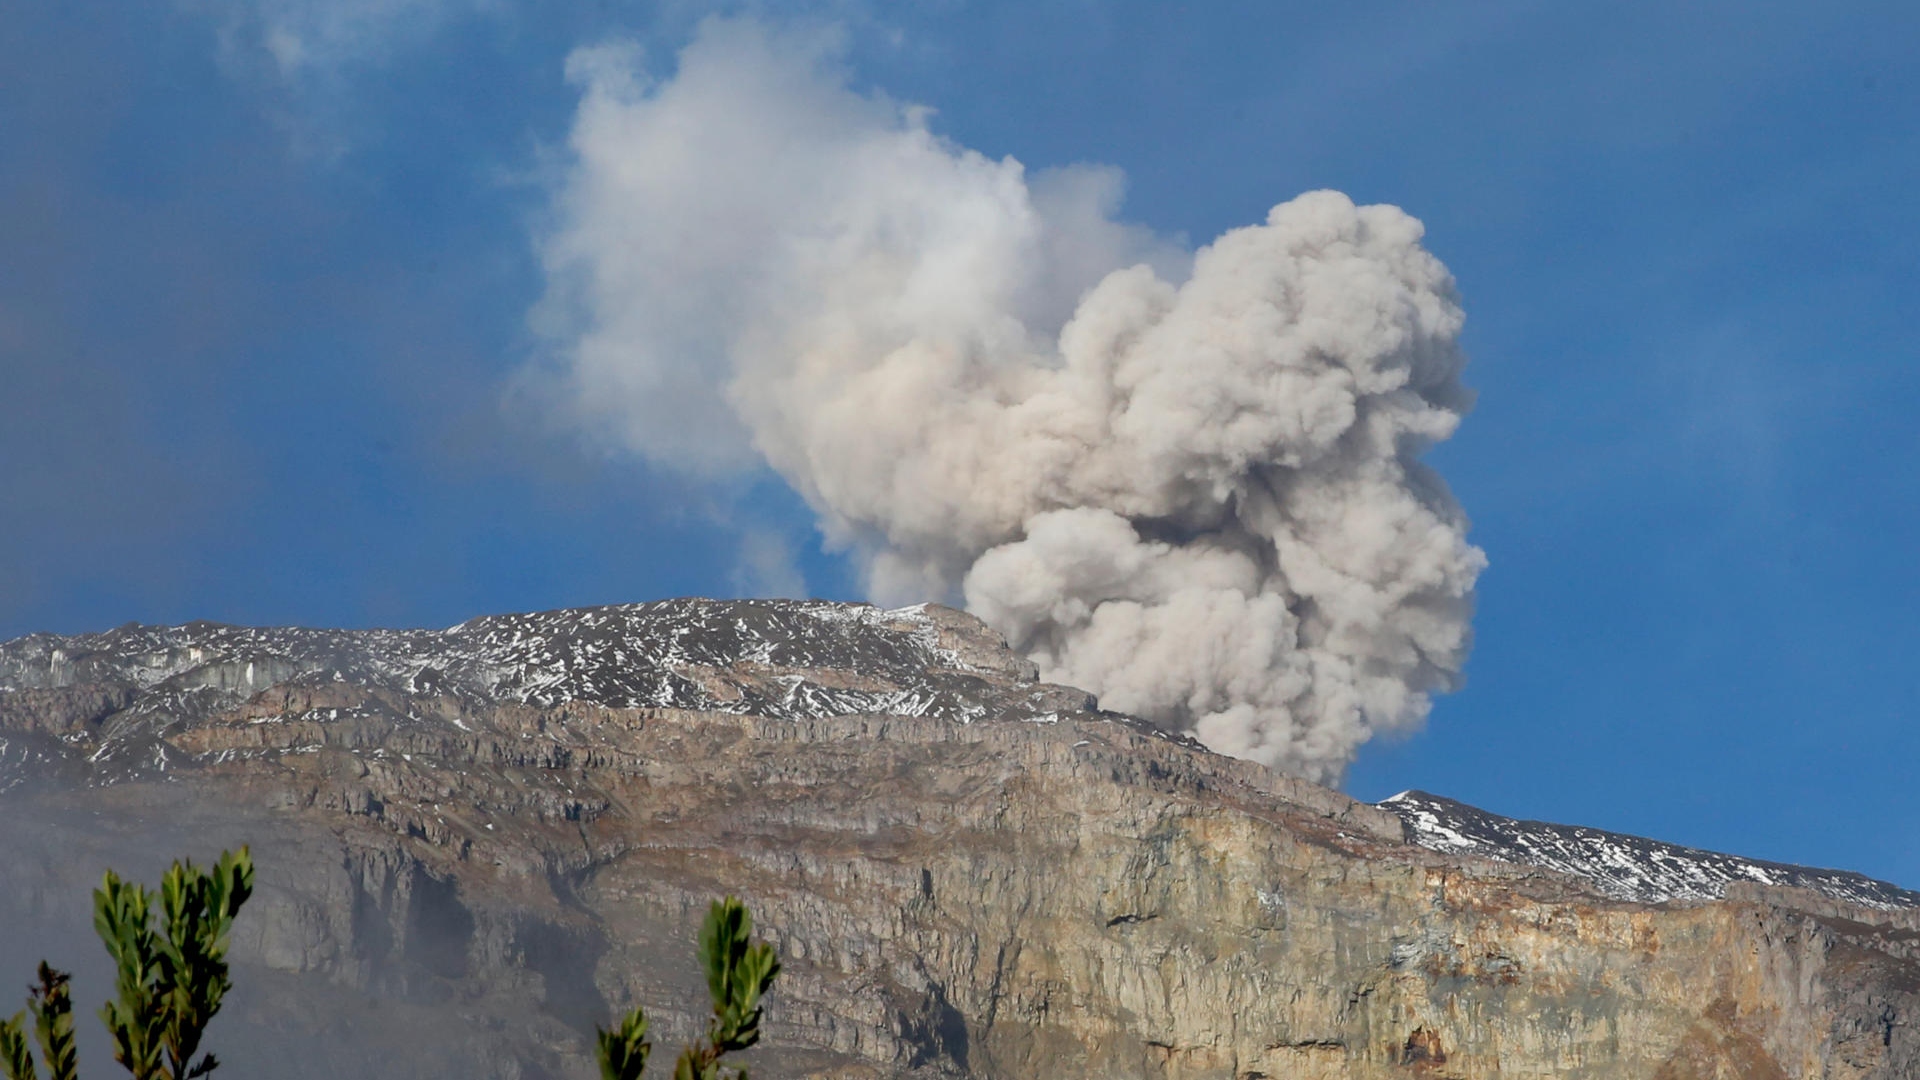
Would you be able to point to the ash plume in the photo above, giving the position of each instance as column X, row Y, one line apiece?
column 1187, row 482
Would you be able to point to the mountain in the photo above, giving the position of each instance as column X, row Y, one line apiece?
column 476, row 843
column 1624, row 867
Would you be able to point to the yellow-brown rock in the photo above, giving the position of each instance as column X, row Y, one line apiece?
column 462, row 883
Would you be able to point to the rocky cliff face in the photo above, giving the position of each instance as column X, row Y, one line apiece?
column 476, row 843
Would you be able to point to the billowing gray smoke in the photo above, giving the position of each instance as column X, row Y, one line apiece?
column 1186, row 482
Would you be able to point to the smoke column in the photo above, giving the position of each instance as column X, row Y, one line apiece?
column 1187, row 482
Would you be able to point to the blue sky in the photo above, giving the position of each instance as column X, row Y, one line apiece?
column 263, row 307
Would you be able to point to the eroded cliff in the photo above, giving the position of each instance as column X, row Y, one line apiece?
column 476, row 843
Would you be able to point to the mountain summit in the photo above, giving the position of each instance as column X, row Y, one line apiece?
column 475, row 843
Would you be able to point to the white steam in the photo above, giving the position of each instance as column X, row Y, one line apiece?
column 1185, row 483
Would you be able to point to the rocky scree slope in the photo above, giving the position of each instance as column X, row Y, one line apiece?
column 1624, row 867
column 476, row 843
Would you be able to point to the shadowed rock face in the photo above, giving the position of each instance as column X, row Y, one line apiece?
column 476, row 843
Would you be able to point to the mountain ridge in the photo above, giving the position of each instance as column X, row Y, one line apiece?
column 501, row 832
column 1623, row 865
column 922, row 660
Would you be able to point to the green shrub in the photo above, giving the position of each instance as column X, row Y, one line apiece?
column 739, row 973
column 168, row 981
column 52, row 1028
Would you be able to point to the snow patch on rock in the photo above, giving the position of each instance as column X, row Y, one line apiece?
column 1624, row 867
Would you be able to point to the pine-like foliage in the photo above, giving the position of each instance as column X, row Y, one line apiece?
column 739, row 972
column 168, row 981
column 52, row 1010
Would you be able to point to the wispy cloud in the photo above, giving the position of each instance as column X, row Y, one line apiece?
column 305, row 60
column 767, row 565
column 319, row 39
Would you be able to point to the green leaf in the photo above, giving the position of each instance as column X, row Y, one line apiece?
column 122, row 912
column 694, row 1065
column 14, row 1055
column 739, row 972
column 53, row 1023
column 723, row 936
column 198, row 908
column 623, row 1051
column 168, row 985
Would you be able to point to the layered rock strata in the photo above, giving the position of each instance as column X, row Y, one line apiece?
column 477, row 843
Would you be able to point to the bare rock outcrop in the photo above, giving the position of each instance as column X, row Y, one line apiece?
column 476, row 843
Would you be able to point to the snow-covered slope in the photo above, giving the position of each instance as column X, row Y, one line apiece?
column 122, row 692
column 769, row 658
column 1626, row 867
